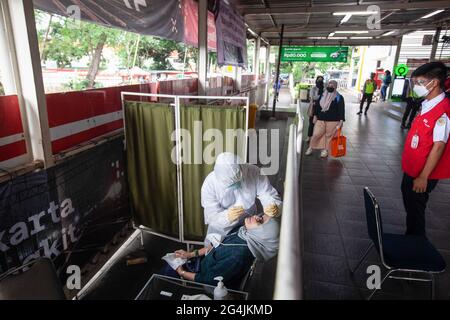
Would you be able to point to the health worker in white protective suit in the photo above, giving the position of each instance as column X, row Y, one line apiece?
column 229, row 194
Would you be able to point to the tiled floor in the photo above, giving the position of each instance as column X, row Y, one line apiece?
column 335, row 230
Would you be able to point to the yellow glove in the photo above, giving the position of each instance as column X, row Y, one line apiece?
column 272, row 211
column 235, row 213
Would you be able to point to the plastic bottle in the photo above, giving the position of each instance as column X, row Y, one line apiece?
column 220, row 292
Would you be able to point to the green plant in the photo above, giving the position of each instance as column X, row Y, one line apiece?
column 302, row 86
column 78, row 85
column 2, row 91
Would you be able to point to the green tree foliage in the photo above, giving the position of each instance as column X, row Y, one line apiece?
column 66, row 41
column 158, row 51
column 312, row 69
column 70, row 40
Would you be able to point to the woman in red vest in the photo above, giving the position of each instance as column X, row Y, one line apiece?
column 426, row 156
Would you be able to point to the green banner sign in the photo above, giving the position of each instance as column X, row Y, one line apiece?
column 314, row 54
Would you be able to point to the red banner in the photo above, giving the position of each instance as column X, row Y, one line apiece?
column 190, row 13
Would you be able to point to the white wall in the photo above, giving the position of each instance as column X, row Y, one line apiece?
column 384, row 54
column 412, row 47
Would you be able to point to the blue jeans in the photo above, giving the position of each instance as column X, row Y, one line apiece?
column 383, row 92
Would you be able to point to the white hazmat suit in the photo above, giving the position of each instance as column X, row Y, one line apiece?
column 233, row 184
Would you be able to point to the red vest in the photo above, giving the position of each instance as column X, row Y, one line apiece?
column 414, row 160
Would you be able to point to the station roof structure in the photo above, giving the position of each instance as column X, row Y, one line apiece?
column 343, row 22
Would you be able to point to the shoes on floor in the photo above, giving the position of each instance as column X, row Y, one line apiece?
column 324, row 154
column 309, row 152
column 359, row 113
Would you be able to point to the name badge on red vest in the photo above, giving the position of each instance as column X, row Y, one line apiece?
column 415, row 141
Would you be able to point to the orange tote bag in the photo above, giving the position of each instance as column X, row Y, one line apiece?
column 339, row 145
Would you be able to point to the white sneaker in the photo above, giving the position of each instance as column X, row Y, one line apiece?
column 324, row 154
column 309, row 152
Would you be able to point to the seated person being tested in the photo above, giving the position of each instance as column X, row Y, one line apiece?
column 229, row 194
column 232, row 257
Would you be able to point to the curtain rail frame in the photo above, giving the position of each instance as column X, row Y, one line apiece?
column 177, row 106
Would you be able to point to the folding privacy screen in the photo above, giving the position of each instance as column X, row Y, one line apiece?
column 165, row 191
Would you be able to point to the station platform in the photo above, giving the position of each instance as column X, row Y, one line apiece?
column 334, row 222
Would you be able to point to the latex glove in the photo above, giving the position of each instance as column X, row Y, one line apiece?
column 235, row 213
column 183, row 254
column 272, row 211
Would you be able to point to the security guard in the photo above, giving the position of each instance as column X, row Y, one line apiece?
column 370, row 86
column 426, row 155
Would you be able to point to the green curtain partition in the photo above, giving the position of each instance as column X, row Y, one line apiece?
column 152, row 175
column 211, row 117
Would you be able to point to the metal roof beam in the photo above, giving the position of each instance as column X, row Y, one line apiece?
column 332, row 28
column 331, row 42
column 327, row 9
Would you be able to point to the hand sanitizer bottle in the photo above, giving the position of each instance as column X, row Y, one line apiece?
column 220, row 292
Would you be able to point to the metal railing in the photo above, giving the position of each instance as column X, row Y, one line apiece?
column 289, row 277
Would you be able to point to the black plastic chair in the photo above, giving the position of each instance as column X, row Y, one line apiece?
column 400, row 253
column 36, row 280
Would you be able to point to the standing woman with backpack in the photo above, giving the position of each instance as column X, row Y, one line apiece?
column 329, row 117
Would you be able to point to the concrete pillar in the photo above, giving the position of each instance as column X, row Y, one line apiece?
column 256, row 68
column 434, row 47
column 30, row 84
column 202, row 46
column 5, row 60
column 237, row 78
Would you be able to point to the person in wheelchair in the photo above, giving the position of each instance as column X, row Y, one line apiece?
column 233, row 256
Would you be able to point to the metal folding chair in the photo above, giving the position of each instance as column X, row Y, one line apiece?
column 36, row 280
column 413, row 255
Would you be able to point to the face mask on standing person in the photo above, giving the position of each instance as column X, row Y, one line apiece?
column 422, row 90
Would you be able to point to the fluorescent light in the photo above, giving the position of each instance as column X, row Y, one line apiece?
column 356, row 13
column 354, row 32
column 337, row 38
column 432, row 14
column 388, row 33
column 318, row 38
column 331, row 34
column 360, row 38
column 346, row 18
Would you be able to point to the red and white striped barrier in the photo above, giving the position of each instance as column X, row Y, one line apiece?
column 13, row 148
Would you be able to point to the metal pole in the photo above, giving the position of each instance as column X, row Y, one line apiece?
column 397, row 57
column 267, row 72
column 277, row 76
column 202, row 46
column 434, row 47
